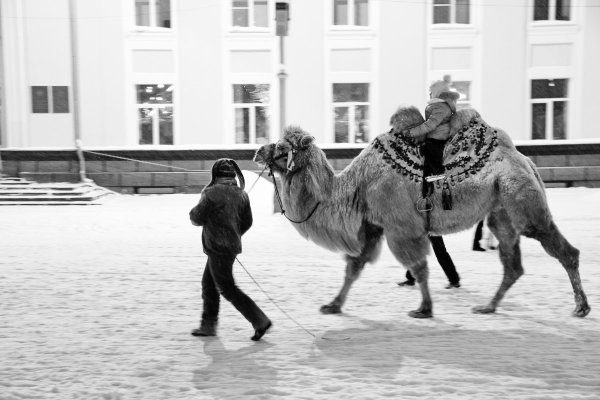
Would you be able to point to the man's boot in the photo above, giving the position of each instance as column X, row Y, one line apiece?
column 260, row 331
column 207, row 328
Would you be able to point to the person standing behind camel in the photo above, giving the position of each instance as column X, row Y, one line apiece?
column 488, row 238
column 435, row 131
column 224, row 213
column 445, row 261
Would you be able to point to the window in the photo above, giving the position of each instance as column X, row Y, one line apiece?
column 351, row 12
column 250, row 13
column 153, row 13
column 464, row 89
column 451, row 11
column 46, row 99
column 251, row 113
column 155, row 113
column 559, row 10
column 351, row 112
column 549, row 98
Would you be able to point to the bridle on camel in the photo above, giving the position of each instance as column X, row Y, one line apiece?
column 290, row 167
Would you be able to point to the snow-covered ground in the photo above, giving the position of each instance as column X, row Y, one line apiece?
column 97, row 302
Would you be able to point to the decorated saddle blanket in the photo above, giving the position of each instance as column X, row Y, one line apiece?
column 465, row 153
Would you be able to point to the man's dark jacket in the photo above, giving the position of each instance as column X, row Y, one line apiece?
column 225, row 214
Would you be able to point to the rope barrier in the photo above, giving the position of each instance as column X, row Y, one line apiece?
column 144, row 162
column 164, row 165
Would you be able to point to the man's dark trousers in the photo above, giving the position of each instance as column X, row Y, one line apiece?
column 218, row 277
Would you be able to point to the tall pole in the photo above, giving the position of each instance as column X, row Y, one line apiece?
column 282, row 16
column 75, row 90
column 282, row 77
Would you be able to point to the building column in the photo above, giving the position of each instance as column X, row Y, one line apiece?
column 15, row 93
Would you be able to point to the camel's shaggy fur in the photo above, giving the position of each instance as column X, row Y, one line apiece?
column 368, row 199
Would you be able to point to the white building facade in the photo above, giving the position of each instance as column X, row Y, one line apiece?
column 139, row 73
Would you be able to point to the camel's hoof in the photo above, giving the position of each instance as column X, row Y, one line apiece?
column 420, row 314
column 331, row 309
column 581, row 311
column 483, row 310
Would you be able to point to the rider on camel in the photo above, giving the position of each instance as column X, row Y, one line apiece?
column 435, row 131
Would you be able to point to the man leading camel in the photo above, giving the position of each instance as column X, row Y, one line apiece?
column 224, row 213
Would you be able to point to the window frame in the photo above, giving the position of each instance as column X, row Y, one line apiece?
column 53, row 91
column 453, row 9
column 350, row 17
column 155, row 118
column 551, row 20
column 251, row 27
column 549, row 103
column 48, row 99
column 352, row 105
column 152, row 17
column 468, row 102
column 50, row 103
column 252, row 113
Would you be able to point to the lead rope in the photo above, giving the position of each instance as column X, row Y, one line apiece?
column 257, row 178
column 274, row 303
column 260, row 287
column 284, row 312
column 281, row 203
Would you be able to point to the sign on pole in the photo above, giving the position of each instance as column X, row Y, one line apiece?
column 282, row 16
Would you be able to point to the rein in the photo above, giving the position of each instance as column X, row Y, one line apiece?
column 281, row 203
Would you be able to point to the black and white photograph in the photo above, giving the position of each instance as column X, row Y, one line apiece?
column 299, row 199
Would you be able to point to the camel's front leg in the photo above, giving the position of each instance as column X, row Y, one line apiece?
column 421, row 273
column 354, row 266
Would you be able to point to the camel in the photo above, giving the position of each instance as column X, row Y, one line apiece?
column 378, row 193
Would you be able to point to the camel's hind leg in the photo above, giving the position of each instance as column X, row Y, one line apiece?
column 558, row 247
column 354, row 266
column 510, row 256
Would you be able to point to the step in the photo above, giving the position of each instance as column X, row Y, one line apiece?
column 50, row 188
column 55, row 186
column 19, row 191
column 16, row 182
column 42, row 192
column 46, row 193
column 27, row 199
column 50, row 203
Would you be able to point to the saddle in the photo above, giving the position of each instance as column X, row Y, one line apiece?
column 471, row 143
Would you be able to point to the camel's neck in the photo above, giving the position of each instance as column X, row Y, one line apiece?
column 313, row 183
column 316, row 185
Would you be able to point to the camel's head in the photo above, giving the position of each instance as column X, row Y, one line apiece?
column 405, row 117
column 288, row 155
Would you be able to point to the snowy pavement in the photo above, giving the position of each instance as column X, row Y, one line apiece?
column 97, row 303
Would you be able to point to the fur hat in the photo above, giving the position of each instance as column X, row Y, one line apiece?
column 443, row 86
column 226, row 168
column 223, row 168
